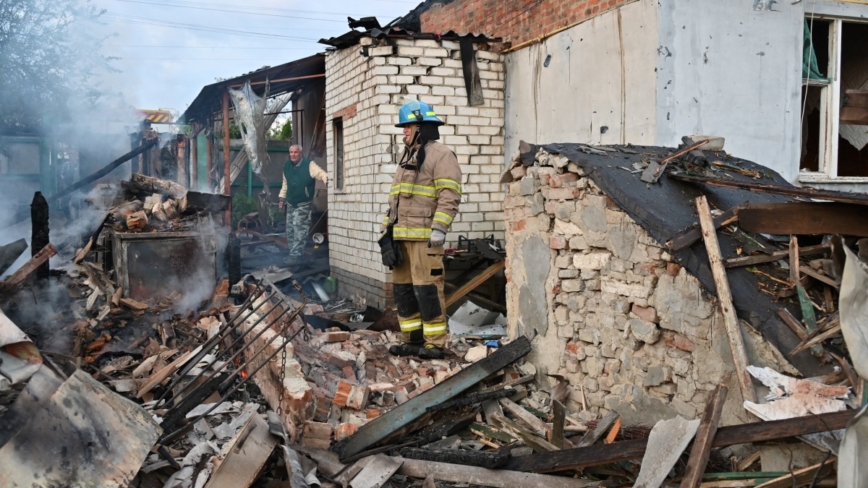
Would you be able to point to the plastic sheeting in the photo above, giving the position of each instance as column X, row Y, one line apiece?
column 853, row 306
column 251, row 120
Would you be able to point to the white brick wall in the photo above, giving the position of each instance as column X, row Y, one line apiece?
column 377, row 85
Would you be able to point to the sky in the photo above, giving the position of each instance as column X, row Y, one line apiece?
column 170, row 49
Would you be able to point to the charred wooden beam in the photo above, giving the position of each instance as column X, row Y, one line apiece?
column 490, row 460
column 804, row 218
column 582, row 457
column 835, row 196
column 39, row 231
column 29, row 267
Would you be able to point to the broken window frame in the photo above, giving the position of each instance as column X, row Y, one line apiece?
column 830, row 109
column 338, row 143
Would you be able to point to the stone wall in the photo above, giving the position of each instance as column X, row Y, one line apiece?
column 365, row 87
column 608, row 308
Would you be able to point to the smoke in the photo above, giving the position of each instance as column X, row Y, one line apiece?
column 61, row 116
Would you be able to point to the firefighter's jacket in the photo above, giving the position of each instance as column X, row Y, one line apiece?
column 425, row 198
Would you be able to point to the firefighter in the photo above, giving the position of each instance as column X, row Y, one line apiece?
column 296, row 196
column 423, row 201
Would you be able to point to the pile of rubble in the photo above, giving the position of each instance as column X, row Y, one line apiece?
column 252, row 387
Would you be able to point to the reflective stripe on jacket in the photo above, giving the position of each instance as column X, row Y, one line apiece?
column 426, row 199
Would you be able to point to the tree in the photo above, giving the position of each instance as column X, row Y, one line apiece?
column 48, row 55
column 281, row 133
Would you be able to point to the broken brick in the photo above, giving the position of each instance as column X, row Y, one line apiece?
column 336, row 336
column 558, row 242
column 648, row 314
column 673, row 268
column 345, row 430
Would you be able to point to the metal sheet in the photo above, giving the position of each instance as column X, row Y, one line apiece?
column 82, row 436
column 157, row 264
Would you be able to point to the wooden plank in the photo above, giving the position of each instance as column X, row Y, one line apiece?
column 724, row 295
column 559, row 415
column 602, row 426
column 794, row 260
column 704, row 437
column 835, row 196
column 498, row 478
column 596, row 455
column 804, row 218
column 854, row 115
column 793, row 323
column 246, row 455
column 768, row 258
column 855, row 98
column 816, row 340
column 30, row 266
column 537, row 426
column 377, row 472
column 532, row 440
column 164, row 373
column 821, row 277
column 687, row 238
column 800, row 476
column 475, row 282
column 404, row 414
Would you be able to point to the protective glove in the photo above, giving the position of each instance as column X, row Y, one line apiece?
column 437, row 239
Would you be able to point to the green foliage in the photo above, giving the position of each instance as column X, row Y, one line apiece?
column 241, row 206
column 234, row 131
column 49, row 55
column 282, row 134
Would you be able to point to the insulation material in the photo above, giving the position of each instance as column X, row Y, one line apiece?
column 792, row 397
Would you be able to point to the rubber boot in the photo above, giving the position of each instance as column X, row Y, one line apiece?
column 430, row 351
column 406, row 350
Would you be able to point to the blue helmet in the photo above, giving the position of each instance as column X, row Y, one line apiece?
column 414, row 112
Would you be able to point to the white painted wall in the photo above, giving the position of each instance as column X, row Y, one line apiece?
column 601, row 74
column 654, row 71
column 729, row 70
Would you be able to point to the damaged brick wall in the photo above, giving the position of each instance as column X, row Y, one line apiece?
column 366, row 93
column 608, row 307
column 516, row 21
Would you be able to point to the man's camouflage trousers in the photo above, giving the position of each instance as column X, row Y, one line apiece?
column 297, row 228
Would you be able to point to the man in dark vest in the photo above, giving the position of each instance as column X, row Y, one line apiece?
column 296, row 196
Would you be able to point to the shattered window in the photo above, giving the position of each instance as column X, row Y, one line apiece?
column 338, row 132
column 834, row 113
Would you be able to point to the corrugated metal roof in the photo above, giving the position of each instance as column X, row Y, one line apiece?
column 374, row 30
column 209, row 100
